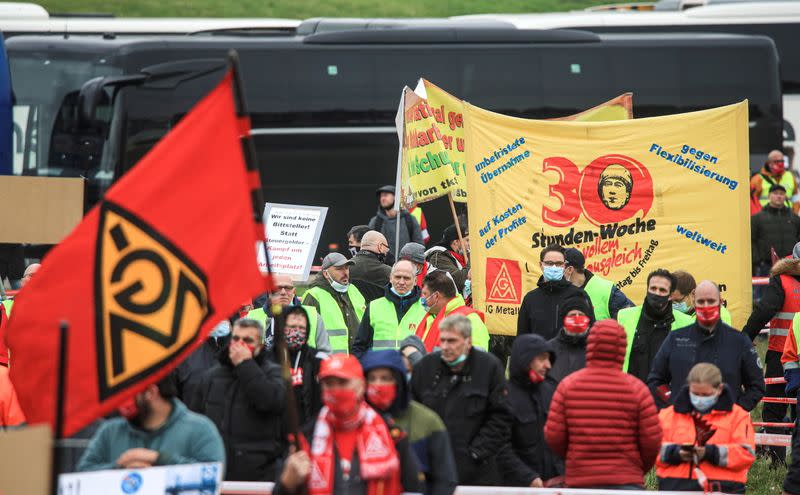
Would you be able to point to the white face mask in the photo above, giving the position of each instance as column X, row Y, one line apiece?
column 341, row 288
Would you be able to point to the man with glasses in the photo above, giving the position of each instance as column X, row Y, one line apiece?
column 540, row 307
column 369, row 263
column 774, row 172
column 245, row 397
column 285, row 296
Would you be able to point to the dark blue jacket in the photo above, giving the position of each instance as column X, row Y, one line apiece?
column 730, row 350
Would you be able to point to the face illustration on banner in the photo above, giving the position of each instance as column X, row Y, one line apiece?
column 612, row 188
column 615, row 187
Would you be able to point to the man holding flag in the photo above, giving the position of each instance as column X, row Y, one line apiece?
column 157, row 273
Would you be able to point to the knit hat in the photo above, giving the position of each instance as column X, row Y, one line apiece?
column 606, row 345
column 413, row 252
column 416, row 343
column 576, row 301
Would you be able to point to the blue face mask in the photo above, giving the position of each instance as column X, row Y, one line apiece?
column 681, row 306
column 222, row 329
column 467, row 288
column 460, row 359
column 703, row 403
column 553, row 273
column 400, row 295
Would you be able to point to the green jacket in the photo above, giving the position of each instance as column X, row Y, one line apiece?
column 185, row 438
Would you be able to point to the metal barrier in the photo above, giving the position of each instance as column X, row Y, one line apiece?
column 262, row 488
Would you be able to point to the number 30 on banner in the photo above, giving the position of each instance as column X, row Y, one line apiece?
column 612, row 188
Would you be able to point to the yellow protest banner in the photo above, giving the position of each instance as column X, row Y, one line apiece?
column 433, row 153
column 633, row 195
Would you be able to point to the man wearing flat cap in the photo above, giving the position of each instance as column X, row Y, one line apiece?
column 339, row 302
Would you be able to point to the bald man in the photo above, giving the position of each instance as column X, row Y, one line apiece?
column 708, row 340
column 393, row 317
column 369, row 263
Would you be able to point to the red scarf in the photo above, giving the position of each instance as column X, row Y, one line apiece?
column 458, row 258
column 431, row 337
column 377, row 456
column 426, row 269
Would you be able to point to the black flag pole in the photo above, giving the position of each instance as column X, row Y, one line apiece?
column 58, row 433
column 279, row 319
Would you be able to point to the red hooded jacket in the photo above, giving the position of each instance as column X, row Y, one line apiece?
column 602, row 421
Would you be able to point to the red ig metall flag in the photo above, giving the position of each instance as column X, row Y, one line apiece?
column 142, row 280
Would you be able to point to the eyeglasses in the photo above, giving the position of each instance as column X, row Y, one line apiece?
column 386, row 246
column 553, row 263
column 287, row 288
column 246, row 340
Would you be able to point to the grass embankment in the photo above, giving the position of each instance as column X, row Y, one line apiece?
column 303, row 9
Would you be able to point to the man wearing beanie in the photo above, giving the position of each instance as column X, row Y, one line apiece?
column 611, row 436
column 649, row 324
column 415, row 253
column 606, row 298
column 350, row 448
column 570, row 343
column 448, row 255
column 388, row 392
column 385, row 220
column 527, row 460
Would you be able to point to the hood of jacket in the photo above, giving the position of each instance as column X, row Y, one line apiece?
column 786, row 266
column 526, row 347
column 683, row 403
column 606, row 345
column 393, row 361
column 553, row 285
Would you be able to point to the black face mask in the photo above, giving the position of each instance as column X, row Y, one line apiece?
column 658, row 302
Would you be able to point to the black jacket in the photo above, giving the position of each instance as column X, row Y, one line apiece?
column 772, row 297
column 473, row 405
column 777, row 228
column 246, row 402
column 571, row 352
column 731, row 351
column 527, row 456
column 541, row 307
column 368, row 267
column 190, row 372
column 307, row 395
column 409, row 471
column 791, row 484
column 363, row 341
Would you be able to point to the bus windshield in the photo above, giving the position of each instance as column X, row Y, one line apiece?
column 46, row 86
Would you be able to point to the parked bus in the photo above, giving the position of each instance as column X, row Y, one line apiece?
column 323, row 103
column 778, row 20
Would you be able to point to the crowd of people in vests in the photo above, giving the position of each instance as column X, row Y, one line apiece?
column 381, row 378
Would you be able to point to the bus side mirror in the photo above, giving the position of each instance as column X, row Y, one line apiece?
column 93, row 93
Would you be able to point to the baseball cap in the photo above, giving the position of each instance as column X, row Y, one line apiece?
column 575, row 258
column 450, row 234
column 341, row 366
column 777, row 187
column 414, row 252
column 335, row 259
column 383, row 189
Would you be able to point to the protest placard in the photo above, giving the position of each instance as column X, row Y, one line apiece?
column 292, row 233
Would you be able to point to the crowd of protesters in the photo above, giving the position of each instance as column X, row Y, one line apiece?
column 381, row 378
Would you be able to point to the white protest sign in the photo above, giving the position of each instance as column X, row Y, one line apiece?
column 186, row 479
column 292, row 233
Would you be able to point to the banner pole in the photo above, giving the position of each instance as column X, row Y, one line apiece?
column 63, row 329
column 458, row 225
column 400, row 125
column 258, row 211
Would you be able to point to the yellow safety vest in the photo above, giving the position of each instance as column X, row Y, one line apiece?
column 387, row 333
column 332, row 316
column 629, row 319
column 787, row 181
column 599, row 291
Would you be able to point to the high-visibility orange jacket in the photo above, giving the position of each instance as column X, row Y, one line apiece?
column 729, row 452
column 10, row 412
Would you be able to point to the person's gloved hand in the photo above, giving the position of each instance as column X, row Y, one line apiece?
column 792, row 378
